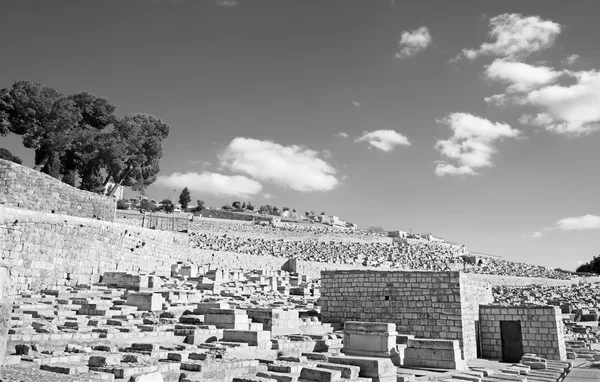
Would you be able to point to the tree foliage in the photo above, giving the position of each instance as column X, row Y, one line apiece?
column 167, row 205
column 7, row 155
column 185, row 198
column 78, row 137
column 591, row 267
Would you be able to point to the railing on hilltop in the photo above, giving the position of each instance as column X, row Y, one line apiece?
column 158, row 221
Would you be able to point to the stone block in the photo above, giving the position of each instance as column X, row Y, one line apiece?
column 250, row 337
column 320, row 375
column 145, row 301
column 369, row 367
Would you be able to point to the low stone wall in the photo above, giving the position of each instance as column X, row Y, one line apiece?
column 24, row 187
column 47, row 249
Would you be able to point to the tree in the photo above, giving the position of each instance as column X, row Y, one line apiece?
column 78, row 136
column 200, row 205
column 307, row 213
column 146, row 205
column 135, row 152
column 294, row 210
column 263, row 210
column 184, row 198
column 322, row 213
column 591, row 267
column 226, row 207
column 250, row 207
column 61, row 129
column 244, row 205
column 167, row 205
column 121, row 205
column 236, row 205
column 275, row 211
column 285, row 209
column 7, row 155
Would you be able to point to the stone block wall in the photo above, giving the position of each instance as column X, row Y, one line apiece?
column 24, row 187
column 473, row 293
column 541, row 330
column 431, row 305
column 6, row 305
column 47, row 249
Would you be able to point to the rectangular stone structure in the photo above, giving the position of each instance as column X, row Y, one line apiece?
column 541, row 330
column 371, row 339
column 443, row 354
column 435, row 305
column 145, row 301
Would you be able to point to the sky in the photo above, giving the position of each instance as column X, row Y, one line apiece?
column 478, row 121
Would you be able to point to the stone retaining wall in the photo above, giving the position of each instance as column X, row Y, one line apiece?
column 24, row 187
column 47, row 249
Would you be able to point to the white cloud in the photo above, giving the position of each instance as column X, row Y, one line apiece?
column 341, row 134
column 327, row 154
column 211, row 183
column 357, row 104
column 515, row 36
column 499, row 100
column 414, row 42
column 578, row 223
column 521, row 77
column 472, row 144
column 570, row 110
column 537, row 235
column 570, row 60
column 296, row 167
column 385, row 140
column 227, row 3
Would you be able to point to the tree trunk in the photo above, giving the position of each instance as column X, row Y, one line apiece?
column 119, row 181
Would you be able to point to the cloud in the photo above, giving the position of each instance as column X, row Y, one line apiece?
column 569, row 110
column 227, row 3
column 296, row 167
column 515, row 36
column 211, row 183
column 357, row 104
column 414, row 42
column 341, row 134
column 327, row 154
column 385, row 140
column 472, row 144
column 521, row 77
column 537, row 235
column 578, row 223
column 268, row 196
column 570, row 60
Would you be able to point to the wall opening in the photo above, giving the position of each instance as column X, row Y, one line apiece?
column 512, row 341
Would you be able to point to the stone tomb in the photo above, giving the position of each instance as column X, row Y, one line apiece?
column 429, row 305
column 373, row 339
column 525, row 329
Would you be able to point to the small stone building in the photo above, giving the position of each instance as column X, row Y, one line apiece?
column 507, row 332
column 435, row 305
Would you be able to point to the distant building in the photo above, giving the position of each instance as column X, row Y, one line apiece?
column 429, row 236
column 118, row 194
column 397, row 234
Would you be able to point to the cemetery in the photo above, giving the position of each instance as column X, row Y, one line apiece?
column 85, row 297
